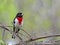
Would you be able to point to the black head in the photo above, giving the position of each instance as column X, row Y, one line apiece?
column 19, row 15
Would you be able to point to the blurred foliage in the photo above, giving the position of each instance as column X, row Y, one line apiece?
column 2, row 43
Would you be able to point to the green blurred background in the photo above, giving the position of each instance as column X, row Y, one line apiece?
column 41, row 18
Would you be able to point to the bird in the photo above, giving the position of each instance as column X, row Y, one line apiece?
column 17, row 24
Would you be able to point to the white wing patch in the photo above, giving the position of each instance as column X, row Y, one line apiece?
column 16, row 22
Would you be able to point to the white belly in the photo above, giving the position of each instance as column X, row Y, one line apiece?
column 17, row 25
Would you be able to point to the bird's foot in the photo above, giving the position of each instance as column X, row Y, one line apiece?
column 13, row 36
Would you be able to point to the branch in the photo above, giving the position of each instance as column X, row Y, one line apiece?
column 42, row 38
column 20, row 33
column 30, row 40
column 5, row 28
column 10, row 31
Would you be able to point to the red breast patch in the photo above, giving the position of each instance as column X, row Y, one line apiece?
column 19, row 19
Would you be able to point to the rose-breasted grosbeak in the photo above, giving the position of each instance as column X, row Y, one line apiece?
column 17, row 23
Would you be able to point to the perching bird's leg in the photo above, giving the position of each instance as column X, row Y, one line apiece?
column 17, row 31
column 13, row 34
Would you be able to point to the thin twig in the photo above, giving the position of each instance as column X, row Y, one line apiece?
column 26, row 33
column 18, row 36
column 23, row 35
